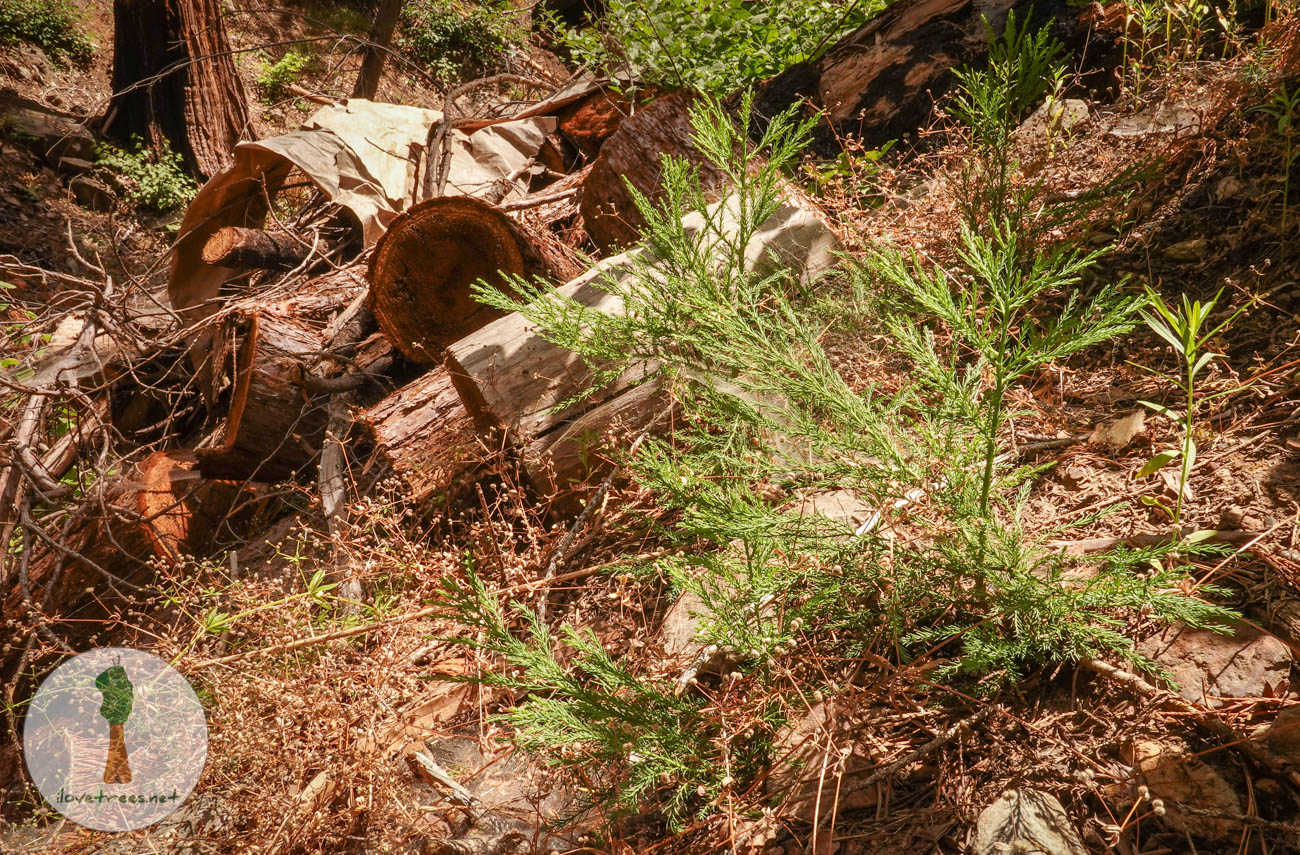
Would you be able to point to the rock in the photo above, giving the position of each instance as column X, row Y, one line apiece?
column 1175, row 775
column 841, row 506
column 820, row 748
column 1119, row 433
column 1054, row 116
column 1227, row 187
column 74, row 165
column 1178, row 118
column 1209, row 667
column 1075, row 475
column 681, row 622
column 1187, row 250
column 92, row 193
column 52, row 134
column 1026, row 820
column 1283, row 736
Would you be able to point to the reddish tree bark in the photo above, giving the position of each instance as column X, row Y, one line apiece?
column 175, row 82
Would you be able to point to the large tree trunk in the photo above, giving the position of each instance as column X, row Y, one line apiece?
column 634, row 155
column 381, row 34
column 513, row 380
column 423, row 435
column 175, row 82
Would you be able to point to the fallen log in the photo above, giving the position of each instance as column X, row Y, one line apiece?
column 424, row 267
column 253, row 249
column 423, row 435
column 634, row 154
column 513, row 380
column 881, row 81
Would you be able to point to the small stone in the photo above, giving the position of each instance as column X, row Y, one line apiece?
column 1118, row 434
column 1026, row 820
column 1227, row 187
column 1283, row 736
column 1187, row 250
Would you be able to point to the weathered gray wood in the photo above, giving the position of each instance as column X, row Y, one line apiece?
column 513, row 379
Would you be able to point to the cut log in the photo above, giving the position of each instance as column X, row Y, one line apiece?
column 253, row 249
column 635, row 154
column 424, row 267
column 423, row 435
column 276, row 419
column 881, row 81
column 513, row 380
column 175, row 82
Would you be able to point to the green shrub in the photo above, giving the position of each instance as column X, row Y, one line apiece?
column 715, row 46
column 273, row 78
column 157, row 183
column 449, row 37
column 51, row 25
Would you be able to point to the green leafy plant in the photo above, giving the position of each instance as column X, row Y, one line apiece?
column 450, row 37
column 992, row 308
column 1284, row 108
column 273, row 78
column 592, row 708
column 157, row 183
column 715, row 46
column 1185, row 327
column 51, row 25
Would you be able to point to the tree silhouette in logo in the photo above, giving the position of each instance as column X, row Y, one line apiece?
column 116, row 708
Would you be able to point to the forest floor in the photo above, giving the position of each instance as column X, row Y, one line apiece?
column 310, row 742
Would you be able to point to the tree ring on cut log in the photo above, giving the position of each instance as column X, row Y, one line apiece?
column 424, row 266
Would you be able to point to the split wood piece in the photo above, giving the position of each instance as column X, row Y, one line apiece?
column 269, row 361
column 593, row 120
column 634, row 154
column 253, row 249
column 511, row 379
column 274, row 427
column 881, row 81
column 423, row 435
column 159, row 512
column 561, row 463
column 425, row 265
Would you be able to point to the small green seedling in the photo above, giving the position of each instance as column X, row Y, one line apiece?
column 1283, row 108
column 1181, row 325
